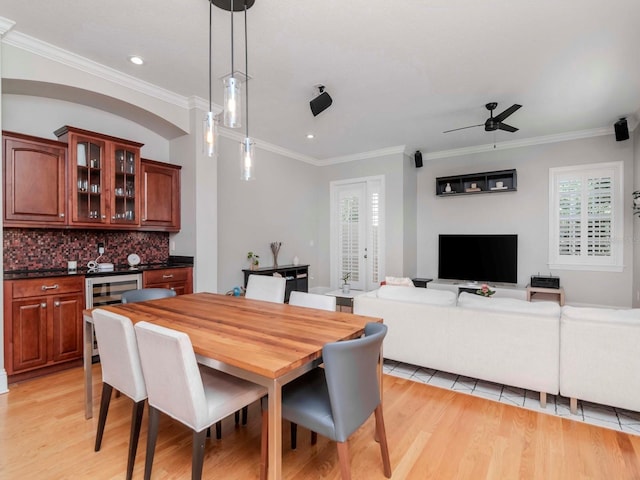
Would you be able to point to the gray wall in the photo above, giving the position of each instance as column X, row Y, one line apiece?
column 281, row 205
column 524, row 212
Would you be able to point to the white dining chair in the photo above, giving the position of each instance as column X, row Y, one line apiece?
column 121, row 370
column 196, row 397
column 320, row 302
column 266, row 287
column 313, row 300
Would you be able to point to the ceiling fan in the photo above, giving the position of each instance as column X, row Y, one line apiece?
column 494, row 123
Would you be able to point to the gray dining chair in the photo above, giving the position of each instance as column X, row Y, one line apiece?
column 337, row 399
column 144, row 294
column 121, row 370
column 266, row 287
column 196, row 397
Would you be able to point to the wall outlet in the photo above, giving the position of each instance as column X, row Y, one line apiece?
column 101, row 248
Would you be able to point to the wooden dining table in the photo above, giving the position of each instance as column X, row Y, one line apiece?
column 263, row 342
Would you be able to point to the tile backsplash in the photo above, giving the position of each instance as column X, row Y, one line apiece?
column 34, row 249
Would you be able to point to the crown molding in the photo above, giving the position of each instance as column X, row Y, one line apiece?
column 270, row 147
column 5, row 25
column 527, row 142
column 56, row 54
column 364, row 155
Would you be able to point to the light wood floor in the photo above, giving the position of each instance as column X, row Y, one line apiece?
column 432, row 433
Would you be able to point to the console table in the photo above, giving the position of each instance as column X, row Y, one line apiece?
column 297, row 277
column 344, row 299
column 556, row 293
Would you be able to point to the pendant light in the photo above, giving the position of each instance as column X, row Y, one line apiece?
column 247, row 151
column 210, row 126
column 232, row 100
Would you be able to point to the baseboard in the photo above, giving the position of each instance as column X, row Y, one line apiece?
column 4, row 386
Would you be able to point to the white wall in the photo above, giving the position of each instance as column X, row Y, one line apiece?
column 524, row 212
column 281, row 205
column 410, row 213
column 635, row 140
column 3, row 371
column 41, row 116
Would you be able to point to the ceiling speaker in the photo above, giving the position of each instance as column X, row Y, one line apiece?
column 418, row 158
column 622, row 130
column 320, row 103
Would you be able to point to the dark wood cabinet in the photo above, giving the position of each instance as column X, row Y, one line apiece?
column 472, row 183
column 297, row 277
column 87, row 180
column 42, row 325
column 179, row 280
column 104, row 178
column 160, row 196
column 35, row 181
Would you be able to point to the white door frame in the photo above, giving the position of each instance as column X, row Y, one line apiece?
column 334, row 244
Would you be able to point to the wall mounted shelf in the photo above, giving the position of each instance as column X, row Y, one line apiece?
column 473, row 183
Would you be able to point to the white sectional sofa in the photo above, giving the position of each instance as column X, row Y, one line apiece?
column 503, row 340
column 600, row 356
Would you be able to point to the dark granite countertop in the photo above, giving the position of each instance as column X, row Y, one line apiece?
column 176, row 262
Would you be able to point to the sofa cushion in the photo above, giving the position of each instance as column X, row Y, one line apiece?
column 417, row 295
column 471, row 300
column 590, row 314
column 401, row 281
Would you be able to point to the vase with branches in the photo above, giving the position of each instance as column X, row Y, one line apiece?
column 275, row 248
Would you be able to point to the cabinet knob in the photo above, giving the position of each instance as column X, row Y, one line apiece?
column 144, row 219
column 104, row 216
column 62, row 215
column 172, row 288
column 52, row 287
column 167, row 276
column 56, row 303
column 43, row 305
column 113, row 217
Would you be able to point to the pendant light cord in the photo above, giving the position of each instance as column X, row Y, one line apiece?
column 210, row 21
column 231, row 38
column 246, row 71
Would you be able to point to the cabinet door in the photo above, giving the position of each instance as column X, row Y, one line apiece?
column 87, row 157
column 66, row 328
column 125, row 169
column 34, row 182
column 29, row 334
column 160, row 196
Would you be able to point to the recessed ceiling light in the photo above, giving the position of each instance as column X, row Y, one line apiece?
column 136, row 60
column 310, row 136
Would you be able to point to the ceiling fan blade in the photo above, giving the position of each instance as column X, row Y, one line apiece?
column 501, row 116
column 507, row 128
column 456, row 129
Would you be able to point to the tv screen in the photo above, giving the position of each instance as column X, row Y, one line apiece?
column 482, row 258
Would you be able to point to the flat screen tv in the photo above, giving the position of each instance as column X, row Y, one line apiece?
column 481, row 258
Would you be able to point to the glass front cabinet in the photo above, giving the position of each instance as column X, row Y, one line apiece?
column 104, row 178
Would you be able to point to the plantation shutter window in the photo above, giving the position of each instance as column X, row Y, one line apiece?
column 585, row 229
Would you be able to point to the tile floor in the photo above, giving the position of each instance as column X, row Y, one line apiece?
column 601, row 415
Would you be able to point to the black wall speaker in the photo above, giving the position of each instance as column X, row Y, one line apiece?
column 622, row 130
column 320, row 103
column 418, row 158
